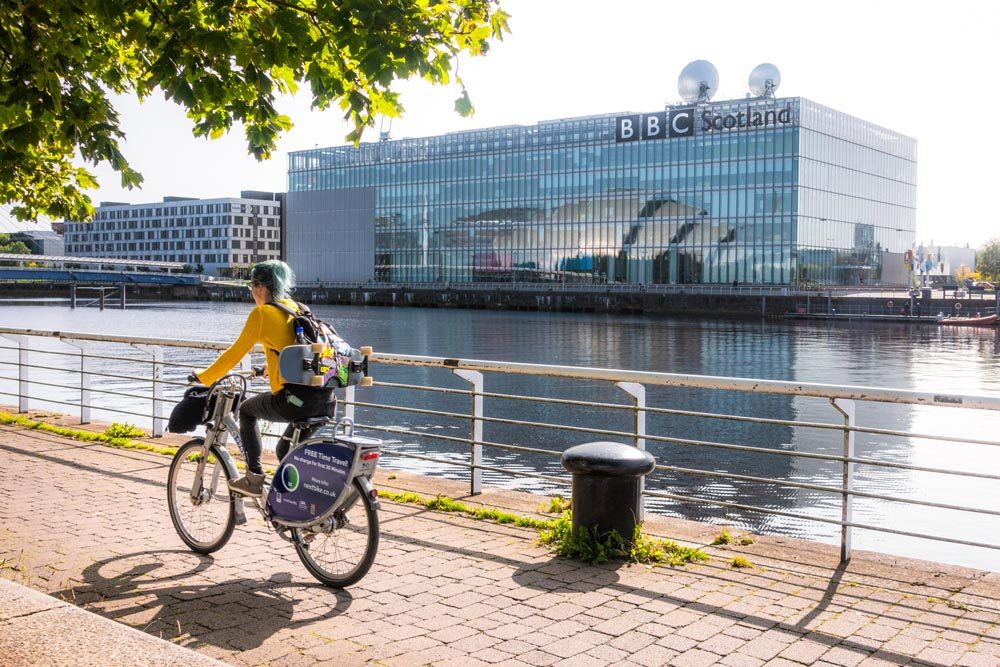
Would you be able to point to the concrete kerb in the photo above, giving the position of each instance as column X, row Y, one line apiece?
column 37, row 629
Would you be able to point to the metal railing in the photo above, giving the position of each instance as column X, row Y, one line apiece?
column 98, row 362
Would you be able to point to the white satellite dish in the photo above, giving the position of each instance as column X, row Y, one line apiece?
column 698, row 82
column 764, row 80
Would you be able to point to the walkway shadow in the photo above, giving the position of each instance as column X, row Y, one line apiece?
column 828, row 594
column 234, row 614
column 562, row 573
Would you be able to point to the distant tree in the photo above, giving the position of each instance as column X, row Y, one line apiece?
column 9, row 245
column 988, row 259
column 224, row 61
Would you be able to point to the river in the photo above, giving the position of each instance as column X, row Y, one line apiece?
column 925, row 358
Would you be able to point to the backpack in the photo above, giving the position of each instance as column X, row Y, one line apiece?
column 336, row 350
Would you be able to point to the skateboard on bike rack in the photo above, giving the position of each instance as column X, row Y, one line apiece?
column 325, row 365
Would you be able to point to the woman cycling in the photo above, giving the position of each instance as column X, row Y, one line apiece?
column 272, row 328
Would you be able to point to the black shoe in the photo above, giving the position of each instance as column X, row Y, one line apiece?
column 251, row 484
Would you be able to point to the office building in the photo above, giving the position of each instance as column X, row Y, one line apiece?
column 753, row 191
column 40, row 241
column 220, row 237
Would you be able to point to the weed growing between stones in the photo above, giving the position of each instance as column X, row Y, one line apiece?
column 558, row 505
column 446, row 504
column 119, row 441
column 126, row 430
column 588, row 545
column 724, row 538
column 740, row 562
column 727, row 539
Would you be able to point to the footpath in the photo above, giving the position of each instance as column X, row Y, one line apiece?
column 88, row 526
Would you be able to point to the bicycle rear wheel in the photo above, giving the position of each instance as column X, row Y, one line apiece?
column 340, row 550
column 201, row 506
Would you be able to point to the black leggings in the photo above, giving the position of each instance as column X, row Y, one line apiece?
column 281, row 407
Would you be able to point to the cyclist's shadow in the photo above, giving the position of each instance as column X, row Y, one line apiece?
column 186, row 605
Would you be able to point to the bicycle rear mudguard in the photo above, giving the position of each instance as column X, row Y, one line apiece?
column 315, row 478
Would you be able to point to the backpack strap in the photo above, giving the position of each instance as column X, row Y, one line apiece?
column 288, row 311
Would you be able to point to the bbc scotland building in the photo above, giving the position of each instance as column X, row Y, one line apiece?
column 754, row 191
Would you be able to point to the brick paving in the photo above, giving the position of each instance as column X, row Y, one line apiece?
column 89, row 524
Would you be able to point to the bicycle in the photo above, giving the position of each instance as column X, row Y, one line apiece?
column 321, row 498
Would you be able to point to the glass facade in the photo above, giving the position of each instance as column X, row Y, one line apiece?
column 752, row 191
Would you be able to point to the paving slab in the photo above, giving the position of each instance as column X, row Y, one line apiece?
column 89, row 525
column 37, row 629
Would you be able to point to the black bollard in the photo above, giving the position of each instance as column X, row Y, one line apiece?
column 606, row 483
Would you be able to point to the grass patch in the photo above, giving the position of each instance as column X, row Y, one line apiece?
column 723, row 539
column 557, row 534
column 446, row 504
column 108, row 438
column 740, row 563
column 726, row 538
column 558, row 505
column 589, row 546
column 126, row 430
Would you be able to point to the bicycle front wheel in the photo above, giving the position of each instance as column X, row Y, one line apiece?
column 201, row 506
column 340, row 550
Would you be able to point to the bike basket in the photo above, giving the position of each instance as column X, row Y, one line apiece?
column 190, row 411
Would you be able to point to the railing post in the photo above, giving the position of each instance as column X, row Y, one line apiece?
column 475, row 378
column 638, row 394
column 85, row 367
column 846, row 408
column 157, row 354
column 22, row 371
column 349, row 402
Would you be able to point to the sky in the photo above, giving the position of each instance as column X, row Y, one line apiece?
column 922, row 69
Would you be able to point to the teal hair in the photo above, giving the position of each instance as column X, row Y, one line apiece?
column 276, row 276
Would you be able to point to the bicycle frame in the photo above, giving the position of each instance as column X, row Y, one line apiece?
column 221, row 424
column 218, row 427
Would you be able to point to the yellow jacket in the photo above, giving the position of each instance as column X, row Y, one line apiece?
column 266, row 325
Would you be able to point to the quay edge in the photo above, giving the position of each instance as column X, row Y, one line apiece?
column 678, row 301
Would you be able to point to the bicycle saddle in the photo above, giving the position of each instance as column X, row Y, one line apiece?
column 310, row 422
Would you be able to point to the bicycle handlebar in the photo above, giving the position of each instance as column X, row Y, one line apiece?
column 254, row 372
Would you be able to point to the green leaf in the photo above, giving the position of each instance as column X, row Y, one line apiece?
column 463, row 105
column 224, row 63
